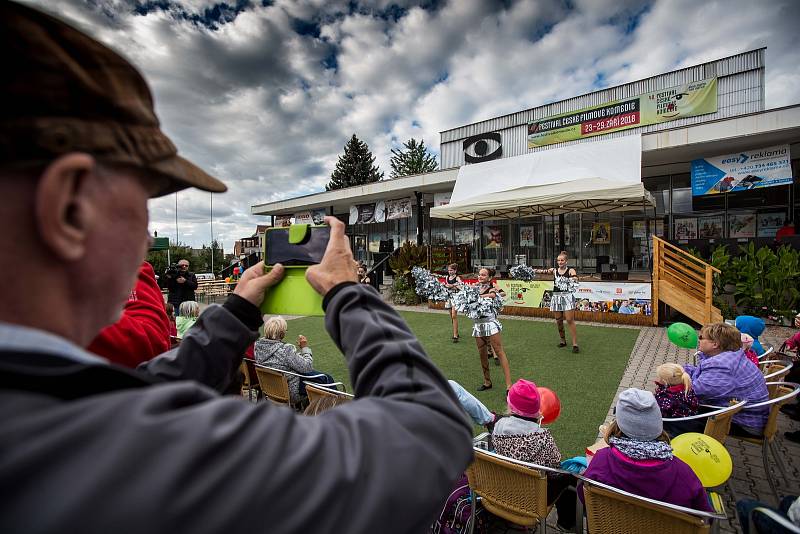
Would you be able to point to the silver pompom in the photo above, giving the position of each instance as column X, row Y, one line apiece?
column 469, row 302
column 522, row 272
column 428, row 286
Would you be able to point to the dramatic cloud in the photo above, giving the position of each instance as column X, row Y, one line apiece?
column 265, row 94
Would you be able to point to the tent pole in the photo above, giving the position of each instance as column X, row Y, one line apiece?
column 473, row 236
column 580, row 241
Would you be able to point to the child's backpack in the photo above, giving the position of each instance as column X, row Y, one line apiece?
column 455, row 515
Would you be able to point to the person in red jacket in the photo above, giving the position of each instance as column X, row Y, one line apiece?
column 143, row 330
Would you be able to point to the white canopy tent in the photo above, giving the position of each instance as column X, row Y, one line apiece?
column 593, row 177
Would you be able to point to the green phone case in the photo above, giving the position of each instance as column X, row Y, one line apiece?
column 293, row 295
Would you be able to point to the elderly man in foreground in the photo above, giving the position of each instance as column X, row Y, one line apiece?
column 87, row 446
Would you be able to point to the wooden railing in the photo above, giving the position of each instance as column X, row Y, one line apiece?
column 683, row 282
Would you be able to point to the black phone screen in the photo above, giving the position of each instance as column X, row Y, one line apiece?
column 307, row 252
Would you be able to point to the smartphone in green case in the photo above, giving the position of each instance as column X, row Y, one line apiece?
column 296, row 247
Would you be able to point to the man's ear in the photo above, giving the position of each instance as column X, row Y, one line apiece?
column 62, row 207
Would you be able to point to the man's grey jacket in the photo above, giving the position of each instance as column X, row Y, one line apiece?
column 93, row 448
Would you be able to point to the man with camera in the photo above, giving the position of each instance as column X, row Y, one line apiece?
column 180, row 283
column 91, row 447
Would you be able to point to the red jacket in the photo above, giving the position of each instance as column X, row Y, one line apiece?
column 143, row 330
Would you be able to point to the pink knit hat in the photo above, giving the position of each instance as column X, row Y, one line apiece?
column 523, row 398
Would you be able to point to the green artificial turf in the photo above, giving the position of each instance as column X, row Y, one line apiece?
column 585, row 382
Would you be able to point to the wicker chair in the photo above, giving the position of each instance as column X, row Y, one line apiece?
column 508, row 488
column 610, row 510
column 774, row 372
column 783, row 393
column 276, row 388
column 250, row 385
column 316, row 391
column 274, row 385
column 718, row 421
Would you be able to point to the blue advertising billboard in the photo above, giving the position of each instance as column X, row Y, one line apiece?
column 753, row 169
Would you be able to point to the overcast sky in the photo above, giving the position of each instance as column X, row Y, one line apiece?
column 265, row 94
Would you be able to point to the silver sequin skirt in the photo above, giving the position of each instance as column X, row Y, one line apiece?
column 486, row 328
column 561, row 302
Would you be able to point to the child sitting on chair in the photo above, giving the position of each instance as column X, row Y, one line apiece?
column 519, row 435
column 639, row 457
column 747, row 347
column 674, row 391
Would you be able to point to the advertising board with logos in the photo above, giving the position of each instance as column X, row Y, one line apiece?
column 686, row 100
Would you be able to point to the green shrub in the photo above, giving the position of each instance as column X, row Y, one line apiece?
column 403, row 293
column 765, row 282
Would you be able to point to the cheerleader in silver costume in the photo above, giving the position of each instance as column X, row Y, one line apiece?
column 562, row 302
column 486, row 332
column 453, row 282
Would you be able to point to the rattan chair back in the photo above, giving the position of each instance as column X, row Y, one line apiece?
column 719, row 426
column 249, row 378
column 608, row 512
column 509, row 490
column 775, row 371
column 316, row 391
column 273, row 385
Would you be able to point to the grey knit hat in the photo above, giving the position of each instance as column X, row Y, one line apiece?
column 638, row 415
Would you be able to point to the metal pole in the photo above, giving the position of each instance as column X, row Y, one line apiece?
column 176, row 219
column 212, row 233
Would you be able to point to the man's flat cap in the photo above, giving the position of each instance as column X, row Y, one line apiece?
column 66, row 92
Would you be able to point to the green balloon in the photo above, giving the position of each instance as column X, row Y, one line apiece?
column 682, row 335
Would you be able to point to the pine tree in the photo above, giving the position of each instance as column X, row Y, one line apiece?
column 355, row 167
column 415, row 159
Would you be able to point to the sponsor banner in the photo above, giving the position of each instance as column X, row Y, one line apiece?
column 398, row 209
column 612, row 297
column 283, row 220
column 609, row 297
column 687, row 100
column 367, row 213
column 441, row 199
column 526, row 294
column 766, row 167
column 310, row 216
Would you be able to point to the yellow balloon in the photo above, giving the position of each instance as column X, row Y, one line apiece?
column 708, row 458
column 228, row 280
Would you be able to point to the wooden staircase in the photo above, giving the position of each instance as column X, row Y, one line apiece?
column 683, row 282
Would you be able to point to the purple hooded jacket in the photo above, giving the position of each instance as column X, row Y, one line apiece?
column 671, row 481
column 730, row 375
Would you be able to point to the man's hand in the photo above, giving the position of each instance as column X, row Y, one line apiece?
column 180, row 279
column 302, row 342
column 254, row 282
column 337, row 264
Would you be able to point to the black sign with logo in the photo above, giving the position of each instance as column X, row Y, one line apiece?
column 483, row 147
